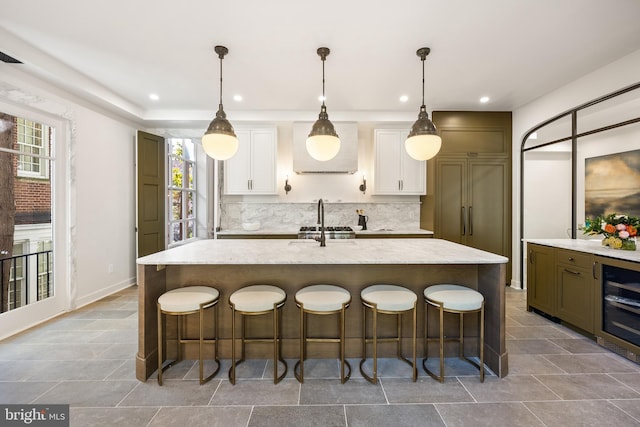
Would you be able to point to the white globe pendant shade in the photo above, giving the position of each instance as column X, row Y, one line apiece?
column 323, row 147
column 423, row 147
column 220, row 146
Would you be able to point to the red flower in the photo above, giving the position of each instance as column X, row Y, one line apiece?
column 609, row 228
column 632, row 230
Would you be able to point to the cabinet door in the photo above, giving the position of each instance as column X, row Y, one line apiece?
column 414, row 172
column 237, row 170
column 263, row 162
column 541, row 278
column 387, row 173
column 451, row 211
column 487, row 206
column 575, row 289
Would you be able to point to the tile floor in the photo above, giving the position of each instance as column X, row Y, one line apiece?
column 86, row 359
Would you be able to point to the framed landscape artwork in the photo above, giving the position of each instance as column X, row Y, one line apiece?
column 612, row 184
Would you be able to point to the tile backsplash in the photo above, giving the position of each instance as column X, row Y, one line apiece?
column 290, row 216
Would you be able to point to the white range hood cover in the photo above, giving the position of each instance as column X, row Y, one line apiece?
column 346, row 161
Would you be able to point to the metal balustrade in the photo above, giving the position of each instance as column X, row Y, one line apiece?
column 17, row 275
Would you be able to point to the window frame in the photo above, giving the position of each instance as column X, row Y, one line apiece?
column 190, row 189
column 41, row 158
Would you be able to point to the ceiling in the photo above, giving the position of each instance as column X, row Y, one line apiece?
column 117, row 53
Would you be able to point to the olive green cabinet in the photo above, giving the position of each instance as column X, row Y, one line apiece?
column 575, row 288
column 561, row 283
column 473, row 181
column 472, row 207
column 541, row 280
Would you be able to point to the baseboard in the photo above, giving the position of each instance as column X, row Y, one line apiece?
column 97, row 295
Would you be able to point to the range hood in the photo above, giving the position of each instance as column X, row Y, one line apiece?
column 346, row 161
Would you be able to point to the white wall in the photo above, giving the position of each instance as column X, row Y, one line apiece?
column 96, row 192
column 621, row 73
column 105, row 204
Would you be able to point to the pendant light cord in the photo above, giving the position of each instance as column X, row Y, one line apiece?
column 423, row 58
column 323, row 59
column 221, row 80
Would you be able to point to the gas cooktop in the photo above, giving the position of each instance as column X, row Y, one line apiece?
column 331, row 232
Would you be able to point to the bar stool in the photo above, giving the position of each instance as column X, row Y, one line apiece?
column 387, row 299
column 255, row 300
column 453, row 299
column 322, row 300
column 181, row 302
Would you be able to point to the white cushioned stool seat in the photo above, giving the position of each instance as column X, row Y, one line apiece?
column 455, row 297
column 257, row 298
column 322, row 297
column 189, row 298
column 389, row 297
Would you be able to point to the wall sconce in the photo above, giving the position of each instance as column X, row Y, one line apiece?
column 287, row 186
column 363, row 186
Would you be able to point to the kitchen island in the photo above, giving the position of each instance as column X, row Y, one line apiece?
column 292, row 264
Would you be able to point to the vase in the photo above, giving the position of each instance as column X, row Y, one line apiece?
column 618, row 243
column 629, row 244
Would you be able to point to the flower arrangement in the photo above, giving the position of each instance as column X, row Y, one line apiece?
column 619, row 231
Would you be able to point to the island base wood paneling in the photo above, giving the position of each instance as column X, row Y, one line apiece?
column 489, row 279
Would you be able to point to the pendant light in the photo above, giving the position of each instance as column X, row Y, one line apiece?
column 220, row 141
column 423, row 141
column 323, row 143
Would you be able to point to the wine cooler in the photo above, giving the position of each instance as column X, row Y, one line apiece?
column 619, row 319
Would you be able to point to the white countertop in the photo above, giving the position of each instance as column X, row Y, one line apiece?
column 338, row 251
column 592, row 246
column 385, row 231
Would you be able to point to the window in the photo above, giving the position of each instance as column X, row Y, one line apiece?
column 17, row 280
column 182, row 190
column 33, row 143
column 44, row 259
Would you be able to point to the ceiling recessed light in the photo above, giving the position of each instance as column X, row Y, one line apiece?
column 404, row 98
column 237, row 98
column 484, row 99
column 153, row 97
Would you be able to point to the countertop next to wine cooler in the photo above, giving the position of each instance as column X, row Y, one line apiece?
column 591, row 246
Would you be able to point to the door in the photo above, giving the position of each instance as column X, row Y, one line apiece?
column 541, row 280
column 387, row 168
column 237, row 170
column 151, row 193
column 487, row 209
column 263, row 162
column 451, row 213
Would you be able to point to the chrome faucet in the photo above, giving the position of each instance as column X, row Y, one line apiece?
column 322, row 239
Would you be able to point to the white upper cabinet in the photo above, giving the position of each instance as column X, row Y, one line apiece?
column 252, row 170
column 395, row 172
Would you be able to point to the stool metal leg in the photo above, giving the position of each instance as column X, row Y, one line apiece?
column 415, row 342
column 275, row 344
column 482, row 343
column 461, row 349
column 160, row 343
column 232, row 371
